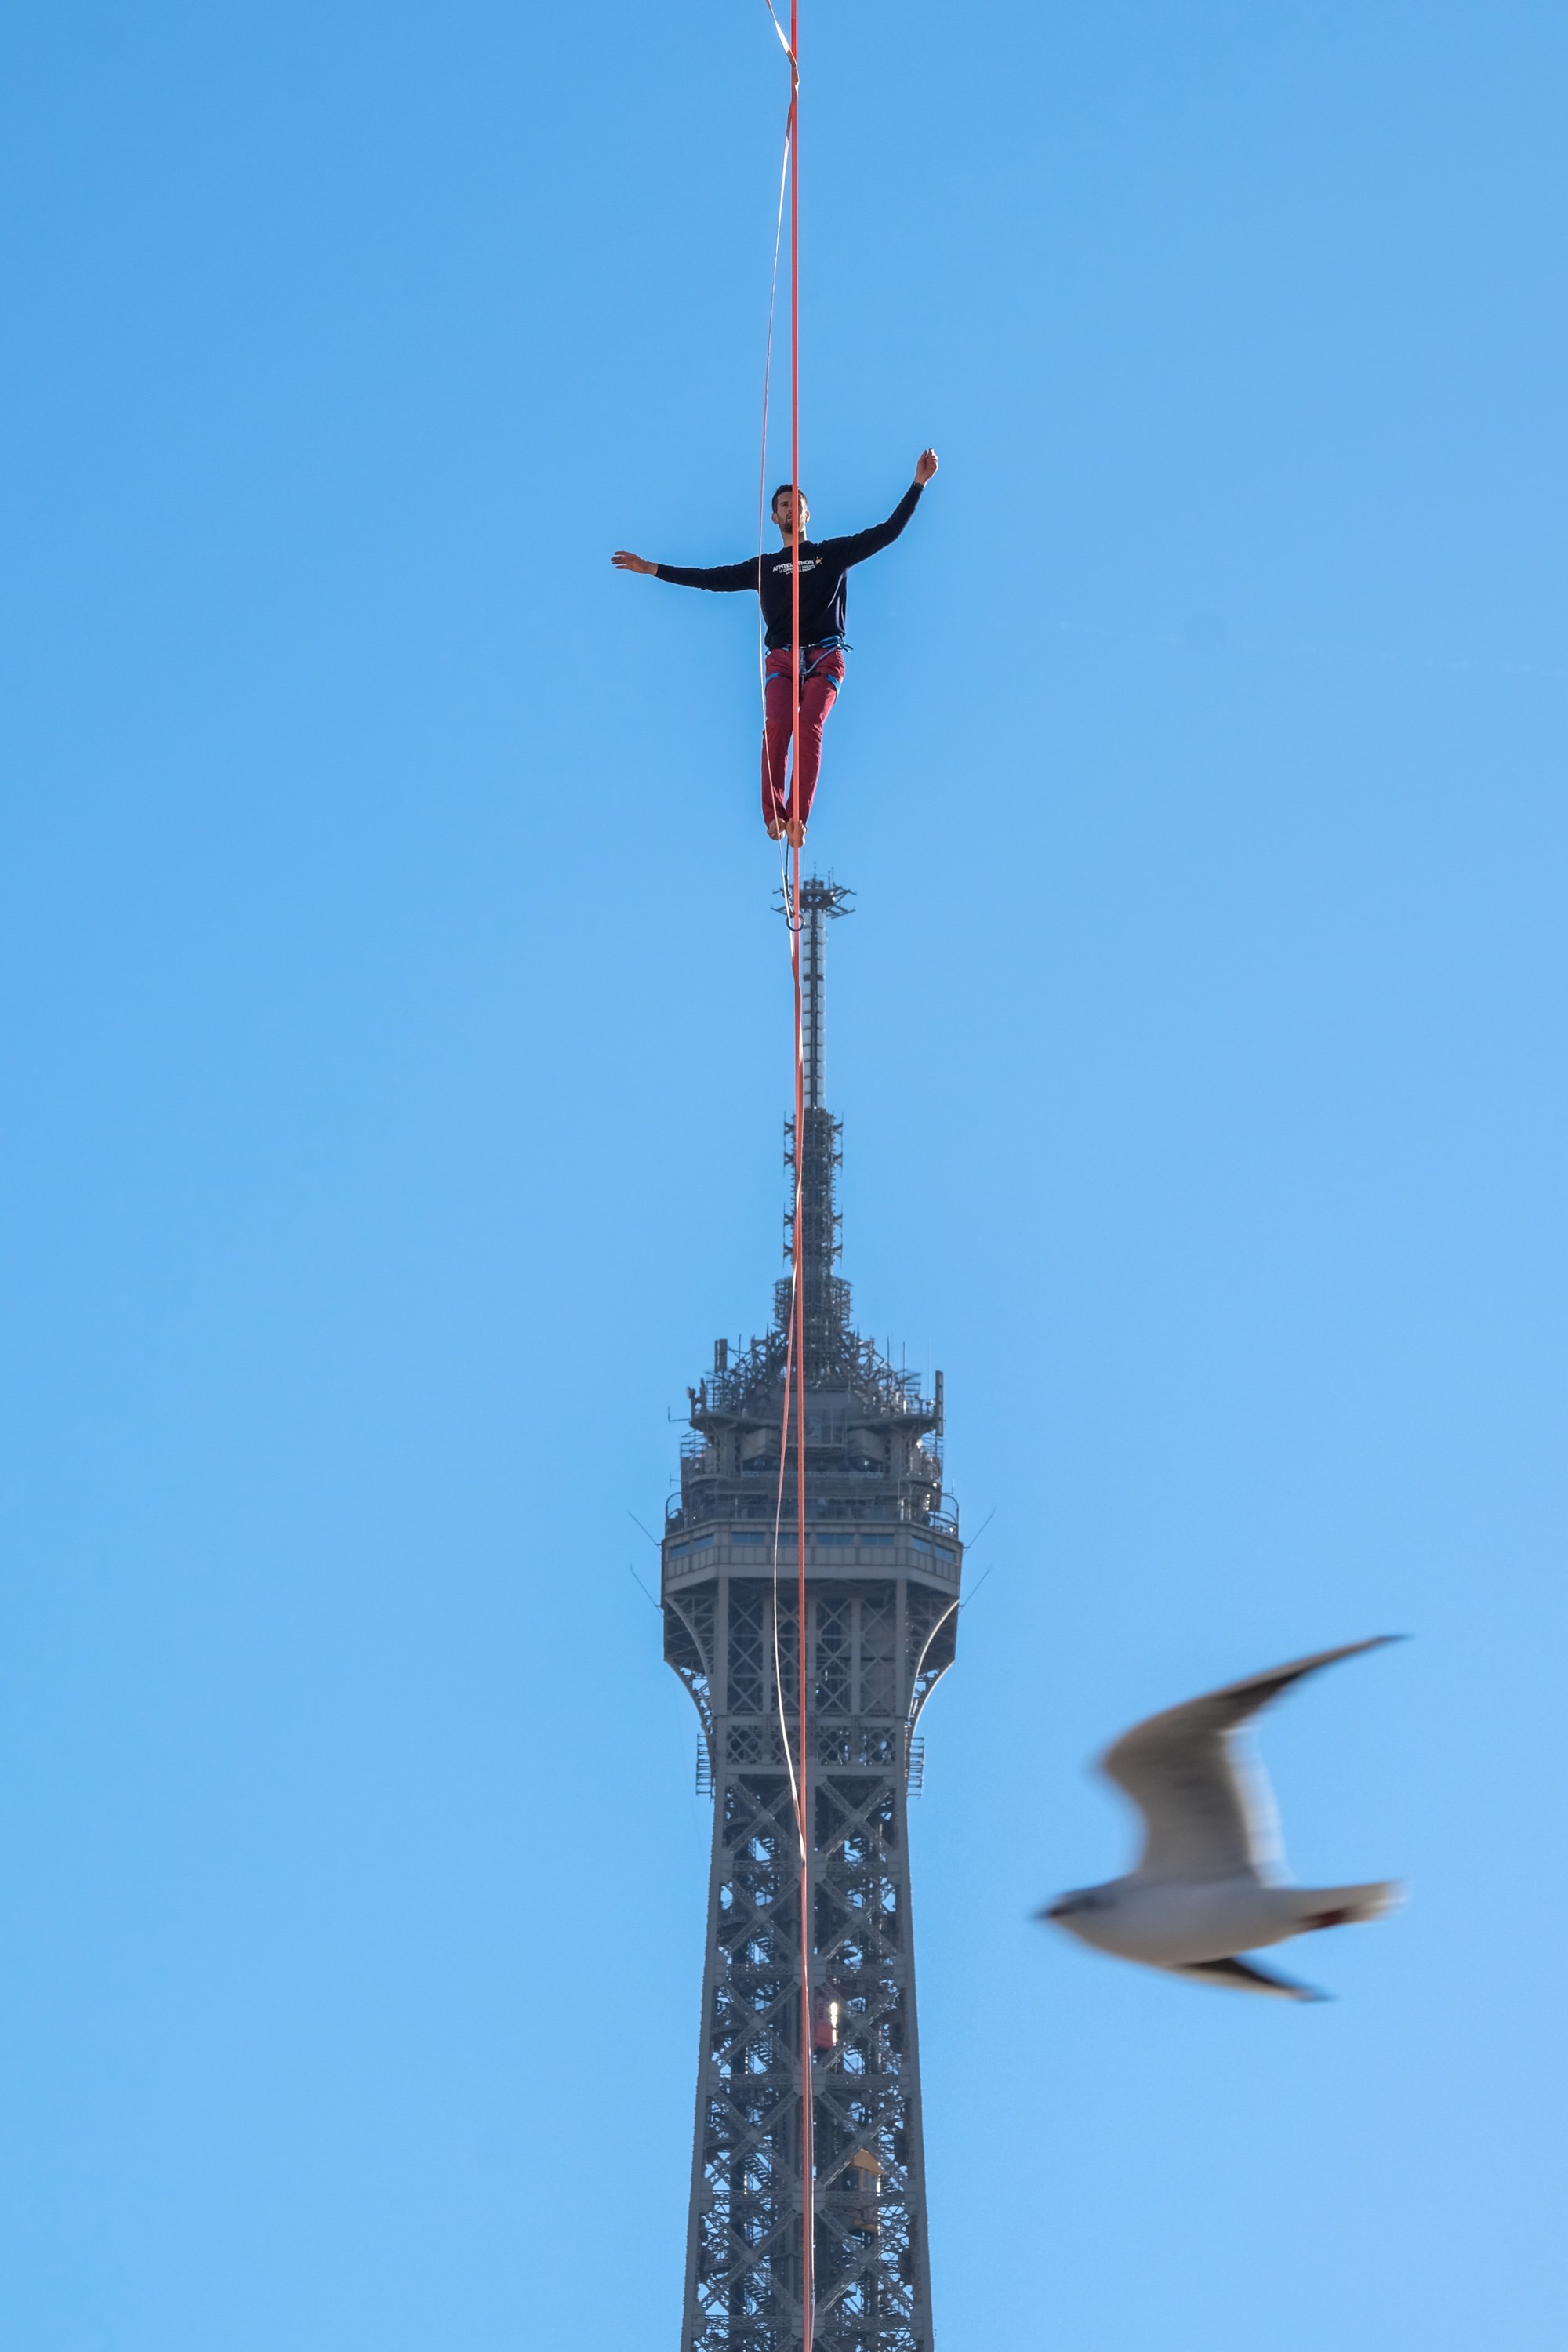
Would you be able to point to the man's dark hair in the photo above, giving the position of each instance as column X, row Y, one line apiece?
column 778, row 495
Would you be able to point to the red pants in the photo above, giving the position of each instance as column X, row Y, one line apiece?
column 822, row 676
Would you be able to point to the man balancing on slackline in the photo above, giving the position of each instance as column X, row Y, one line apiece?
column 822, row 565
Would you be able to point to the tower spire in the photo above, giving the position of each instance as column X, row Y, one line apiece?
column 828, row 1335
column 820, row 903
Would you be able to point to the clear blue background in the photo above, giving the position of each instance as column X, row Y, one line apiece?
column 398, row 1049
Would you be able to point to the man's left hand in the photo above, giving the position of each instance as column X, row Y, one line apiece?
column 925, row 467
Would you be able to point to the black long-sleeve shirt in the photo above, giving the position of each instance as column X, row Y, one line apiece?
column 822, row 565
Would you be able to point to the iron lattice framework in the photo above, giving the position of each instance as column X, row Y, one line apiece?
column 884, row 1561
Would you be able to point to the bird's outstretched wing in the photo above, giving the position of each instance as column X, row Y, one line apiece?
column 1246, row 1976
column 1208, row 1811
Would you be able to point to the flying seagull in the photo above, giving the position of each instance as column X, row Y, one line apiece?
column 1211, row 1881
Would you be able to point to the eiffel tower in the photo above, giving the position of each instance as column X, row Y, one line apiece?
column 883, row 1564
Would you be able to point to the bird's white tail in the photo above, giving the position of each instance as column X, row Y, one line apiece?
column 1346, row 1907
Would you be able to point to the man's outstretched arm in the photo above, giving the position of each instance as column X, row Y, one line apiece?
column 725, row 577
column 860, row 545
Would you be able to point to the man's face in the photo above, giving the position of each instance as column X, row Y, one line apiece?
column 784, row 507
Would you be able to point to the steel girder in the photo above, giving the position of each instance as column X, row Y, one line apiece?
column 876, row 1650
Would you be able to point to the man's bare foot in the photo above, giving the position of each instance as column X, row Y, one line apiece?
column 775, row 832
column 796, row 835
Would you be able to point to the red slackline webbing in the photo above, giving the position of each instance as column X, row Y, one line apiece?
column 807, row 2119
column 794, row 1341
column 795, row 1351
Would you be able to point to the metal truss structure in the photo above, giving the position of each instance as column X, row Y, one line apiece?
column 884, row 1561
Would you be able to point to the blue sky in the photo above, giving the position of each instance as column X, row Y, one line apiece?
column 397, row 1042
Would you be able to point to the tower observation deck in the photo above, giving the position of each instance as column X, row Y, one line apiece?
column 883, row 1564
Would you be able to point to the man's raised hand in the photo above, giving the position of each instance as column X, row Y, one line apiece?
column 623, row 561
column 925, row 467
